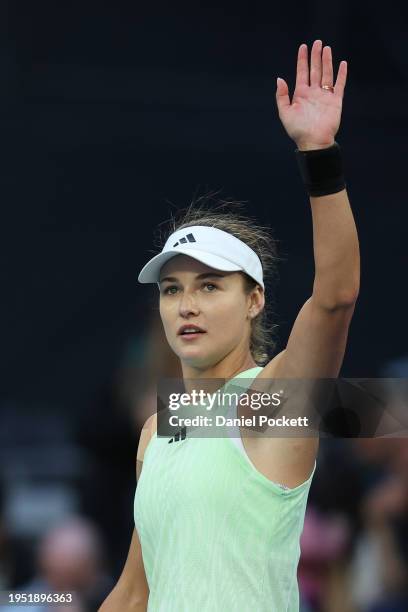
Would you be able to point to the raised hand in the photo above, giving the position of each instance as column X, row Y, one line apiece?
column 312, row 119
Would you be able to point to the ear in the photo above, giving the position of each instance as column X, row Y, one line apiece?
column 256, row 302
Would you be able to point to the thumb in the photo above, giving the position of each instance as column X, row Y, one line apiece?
column 282, row 94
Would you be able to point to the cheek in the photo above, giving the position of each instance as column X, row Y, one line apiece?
column 166, row 310
column 229, row 319
column 169, row 315
column 165, row 316
column 162, row 312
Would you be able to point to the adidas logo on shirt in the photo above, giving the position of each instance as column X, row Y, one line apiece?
column 180, row 435
column 188, row 238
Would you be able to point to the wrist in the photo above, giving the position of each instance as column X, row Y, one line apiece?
column 321, row 170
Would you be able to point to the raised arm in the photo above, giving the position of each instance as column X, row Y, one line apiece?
column 318, row 339
column 317, row 342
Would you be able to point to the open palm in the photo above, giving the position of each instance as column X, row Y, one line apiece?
column 312, row 119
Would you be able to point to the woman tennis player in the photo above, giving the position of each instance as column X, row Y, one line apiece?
column 218, row 520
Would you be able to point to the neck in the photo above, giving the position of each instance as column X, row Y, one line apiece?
column 228, row 367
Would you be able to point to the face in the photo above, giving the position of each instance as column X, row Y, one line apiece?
column 197, row 296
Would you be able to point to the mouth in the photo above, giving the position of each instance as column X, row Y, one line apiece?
column 188, row 332
column 191, row 337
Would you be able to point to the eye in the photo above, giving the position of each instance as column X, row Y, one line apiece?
column 169, row 290
column 210, row 287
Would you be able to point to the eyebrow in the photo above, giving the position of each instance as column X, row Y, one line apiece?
column 173, row 279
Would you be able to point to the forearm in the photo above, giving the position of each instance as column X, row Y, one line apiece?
column 336, row 250
column 312, row 120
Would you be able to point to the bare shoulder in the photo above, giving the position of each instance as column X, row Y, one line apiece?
column 151, row 423
column 149, row 428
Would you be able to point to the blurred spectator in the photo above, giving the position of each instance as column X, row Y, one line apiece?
column 331, row 524
column 354, row 543
column 70, row 558
column 379, row 569
column 323, row 543
column 384, row 511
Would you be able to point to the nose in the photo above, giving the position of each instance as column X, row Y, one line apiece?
column 188, row 305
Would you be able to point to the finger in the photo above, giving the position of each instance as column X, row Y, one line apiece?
column 327, row 67
column 282, row 94
column 316, row 63
column 341, row 79
column 302, row 68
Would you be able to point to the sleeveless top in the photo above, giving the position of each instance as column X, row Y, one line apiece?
column 216, row 534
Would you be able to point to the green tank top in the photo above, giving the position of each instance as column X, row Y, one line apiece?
column 216, row 534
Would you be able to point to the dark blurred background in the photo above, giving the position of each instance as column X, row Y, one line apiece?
column 112, row 116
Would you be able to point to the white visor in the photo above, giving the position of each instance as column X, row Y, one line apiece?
column 213, row 247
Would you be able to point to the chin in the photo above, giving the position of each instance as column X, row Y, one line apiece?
column 192, row 355
column 199, row 359
column 193, row 358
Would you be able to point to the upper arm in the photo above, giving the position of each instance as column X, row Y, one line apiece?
column 316, row 344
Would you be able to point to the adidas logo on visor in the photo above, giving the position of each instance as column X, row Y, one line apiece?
column 210, row 245
column 188, row 238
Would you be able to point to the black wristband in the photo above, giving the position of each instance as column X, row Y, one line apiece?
column 321, row 170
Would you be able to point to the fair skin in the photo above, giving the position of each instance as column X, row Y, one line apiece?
column 192, row 292
column 316, row 345
column 317, row 342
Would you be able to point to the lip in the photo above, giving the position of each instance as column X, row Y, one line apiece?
column 191, row 326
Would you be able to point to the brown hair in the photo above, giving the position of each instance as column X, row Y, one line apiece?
column 226, row 215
